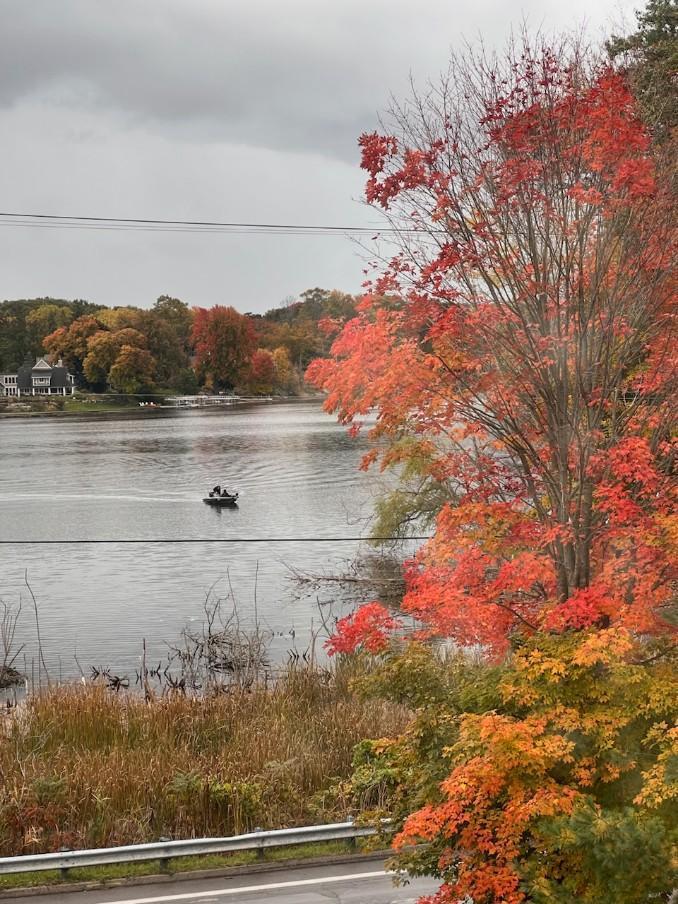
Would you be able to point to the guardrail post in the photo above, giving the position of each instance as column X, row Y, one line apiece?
column 164, row 862
column 351, row 842
column 260, row 849
column 64, row 870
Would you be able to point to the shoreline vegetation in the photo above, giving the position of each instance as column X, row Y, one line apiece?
column 208, row 657
column 92, row 406
column 84, row 766
column 218, row 742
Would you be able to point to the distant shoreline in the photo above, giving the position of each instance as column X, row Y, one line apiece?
column 110, row 412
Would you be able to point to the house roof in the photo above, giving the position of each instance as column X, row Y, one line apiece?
column 58, row 375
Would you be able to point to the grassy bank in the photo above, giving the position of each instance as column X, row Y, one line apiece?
column 84, row 767
column 91, row 405
column 63, row 407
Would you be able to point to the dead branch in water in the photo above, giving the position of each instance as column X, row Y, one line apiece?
column 42, row 665
column 363, row 579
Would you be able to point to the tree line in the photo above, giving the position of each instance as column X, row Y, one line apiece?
column 172, row 346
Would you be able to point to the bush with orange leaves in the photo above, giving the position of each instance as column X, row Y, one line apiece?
column 550, row 778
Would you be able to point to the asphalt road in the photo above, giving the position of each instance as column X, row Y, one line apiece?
column 350, row 883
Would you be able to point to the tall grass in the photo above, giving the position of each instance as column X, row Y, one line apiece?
column 81, row 766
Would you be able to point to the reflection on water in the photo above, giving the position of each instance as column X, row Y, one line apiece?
column 297, row 474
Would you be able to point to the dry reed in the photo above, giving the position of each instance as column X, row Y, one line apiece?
column 83, row 767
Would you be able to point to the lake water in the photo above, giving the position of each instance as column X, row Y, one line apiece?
column 143, row 478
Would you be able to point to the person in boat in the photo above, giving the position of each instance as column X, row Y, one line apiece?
column 216, row 491
column 225, row 494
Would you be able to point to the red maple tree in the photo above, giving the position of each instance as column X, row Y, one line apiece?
column 523, row 340
column 519, row 349
column 224, row 341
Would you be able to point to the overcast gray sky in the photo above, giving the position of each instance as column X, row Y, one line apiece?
column 230, row 110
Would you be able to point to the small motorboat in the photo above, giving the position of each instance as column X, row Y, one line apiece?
column 221, row 499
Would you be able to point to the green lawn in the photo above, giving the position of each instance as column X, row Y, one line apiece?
column 86, row 406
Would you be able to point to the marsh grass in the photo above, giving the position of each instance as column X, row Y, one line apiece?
column 81, row 766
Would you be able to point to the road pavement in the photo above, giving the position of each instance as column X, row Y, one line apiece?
column 365, row 882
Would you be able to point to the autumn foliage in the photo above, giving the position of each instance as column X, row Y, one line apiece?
column 125, row 348
column 184, row 349
column 564, row 795
column 520, row 344
column 223, row 341
column 530, row 340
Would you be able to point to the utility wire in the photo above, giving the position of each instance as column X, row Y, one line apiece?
column 97, row 227
column 153, row 222
column 209, row 540
column 61, row 221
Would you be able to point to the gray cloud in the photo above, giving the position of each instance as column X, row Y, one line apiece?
column 293, row 75
column 299, row 74
column 243, row 110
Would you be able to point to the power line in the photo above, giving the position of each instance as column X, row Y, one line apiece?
column 62, row 221
column 150, row 221
column 171, row 540
column 96, row 227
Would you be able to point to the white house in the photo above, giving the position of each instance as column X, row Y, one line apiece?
column 40, row 378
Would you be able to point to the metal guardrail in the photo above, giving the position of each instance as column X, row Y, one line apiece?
column 166, row 850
